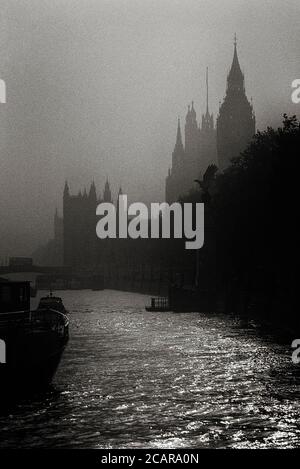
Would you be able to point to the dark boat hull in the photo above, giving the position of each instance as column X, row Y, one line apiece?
column 32, row 358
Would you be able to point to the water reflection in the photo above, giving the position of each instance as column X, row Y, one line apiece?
column 136, row 379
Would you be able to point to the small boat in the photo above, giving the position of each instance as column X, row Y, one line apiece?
column 159, row 305
column 52, row 302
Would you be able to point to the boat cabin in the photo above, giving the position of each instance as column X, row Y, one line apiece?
column 52, row 302
column 14, row 296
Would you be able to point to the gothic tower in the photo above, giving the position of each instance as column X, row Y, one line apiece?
column 107, row 193
column 92, row 194
column 191, row 132
column 191, row 149
column 79, row 222
column 207, row 137
column 178, row 153
column 236, row 120
column 175, row 175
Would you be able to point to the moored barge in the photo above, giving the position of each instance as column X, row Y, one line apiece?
column 31, row 342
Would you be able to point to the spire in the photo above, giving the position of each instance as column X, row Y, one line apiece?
column 191, row 132
column 107, row 192
column 235, row 77
column 66, row 189
column 178, row 137
column 191, row 116
column 207, row 110
column 188, row 114
column 92, row 193
column 179, row 145
column 178, row 152
column 193, row 112
column 207, row 118
column 236, row 122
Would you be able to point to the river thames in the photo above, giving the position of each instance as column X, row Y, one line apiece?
column 132, row 379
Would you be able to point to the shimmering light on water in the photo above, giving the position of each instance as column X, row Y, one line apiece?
column 135, row 379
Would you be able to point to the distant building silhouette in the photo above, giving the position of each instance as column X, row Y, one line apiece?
column 58, row 228
column 79, row 220
column 51, row 253
column 209, row 144
column 204, row 144
column 236, row 120
column 107, row 193
column 81, row 247
column 192, row 159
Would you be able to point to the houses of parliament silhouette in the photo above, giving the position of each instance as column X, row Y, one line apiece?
column 210, row 143
column 81, row 247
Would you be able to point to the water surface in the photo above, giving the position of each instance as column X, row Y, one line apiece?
column 133, row 379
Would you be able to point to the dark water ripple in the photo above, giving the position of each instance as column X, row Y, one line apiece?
column 133, row 379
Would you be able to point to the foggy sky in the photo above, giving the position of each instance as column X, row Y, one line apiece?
column 95, row 88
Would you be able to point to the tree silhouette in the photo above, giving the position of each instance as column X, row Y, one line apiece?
column 252, row 207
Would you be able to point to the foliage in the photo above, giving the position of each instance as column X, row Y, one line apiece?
column 253, row 208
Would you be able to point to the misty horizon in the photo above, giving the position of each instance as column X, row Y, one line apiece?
column 94, row 90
